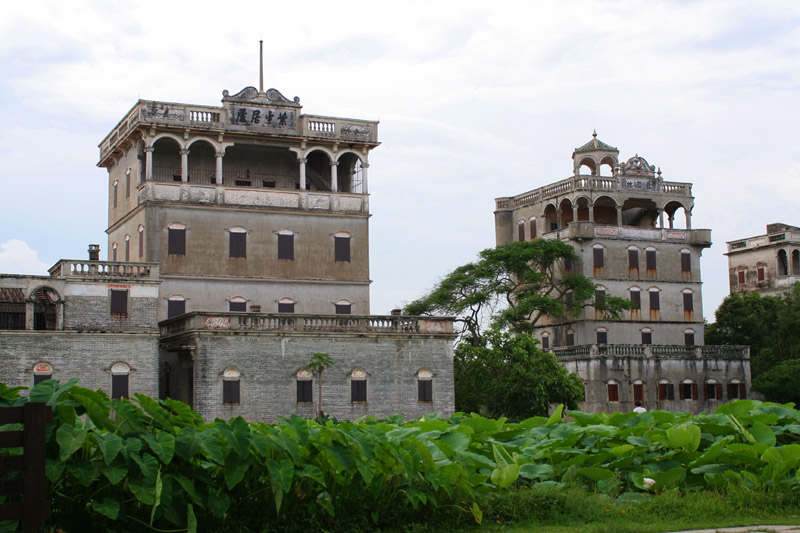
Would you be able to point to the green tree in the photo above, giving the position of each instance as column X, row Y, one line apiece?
column 319, row 363
column 781, row 383
column 512, row 377
column 511, row 287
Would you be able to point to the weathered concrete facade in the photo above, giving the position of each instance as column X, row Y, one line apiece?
column 633, row 242
column 768, row 264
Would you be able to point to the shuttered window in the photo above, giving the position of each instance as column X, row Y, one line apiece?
column 545, row 342
column 119, row 302
column 176, row 241
column 342, row 309
column 638, row 392
column 650, row 257
column 358, row 390
column 175, row 308
column 521, row 231
column 688, row 338
column 636, row 300
column 570, row 338
column 688, row 391
column 230, row 391
column 602, row 337
column 633, row 259
column 342, row 249
column 286, row 307
column 237, row 306
column 613, row 392
column 760, row 272
column 598, row 258
column 533, row 229
column 425, row 390
column 647, row 337
column 666, row 391
column 741, row 277
column 119, row 386
column 304, row 394
column 38, row 378
column 286, row 246
column 655, row 301
column 688, row 301
column 686, row 262
column 238, row 244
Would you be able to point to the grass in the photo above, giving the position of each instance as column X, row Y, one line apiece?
column 563, row 510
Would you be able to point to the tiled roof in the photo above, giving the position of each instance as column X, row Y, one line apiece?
column 12, row 296
column 595, row 145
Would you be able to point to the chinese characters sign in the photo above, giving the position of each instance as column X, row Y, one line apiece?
column 263, row 117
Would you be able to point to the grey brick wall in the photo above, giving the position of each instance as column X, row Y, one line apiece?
column 94, row 313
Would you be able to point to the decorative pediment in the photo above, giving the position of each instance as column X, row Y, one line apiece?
column 638, row 166
column 250, row 95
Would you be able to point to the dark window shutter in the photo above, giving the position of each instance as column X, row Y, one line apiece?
column 141, row 244
column 670, row 391
column 647, row 337
column 342, row 249
column 176, row 242
column 718, row 389
column 760, row 273
column 342, row 309
column 599, row 298
column 567, row 264
column 742, row 391
column 694, row 392
column 682, row 390
column 602, row 337
column 741, row 277
column 545, row 342
column 533, row 229
column 650, row 256
column 598, row 258
column 286, row 308
column 175, row 308
column 521, row 232
column 304, row 389
column 570, row 339
column 686, row 262
column 636, row 299
column 127, row 250
column 688, row 339
column 127, row 186
column 638, row 392
column 358, row 390
column 230, row 391
column 38, row 378
column 613, row 392
column 286, row 247
column 119, row 302
column 655, row 302
column 237, row 306
column 662, row 391
column 425, row 390
column 633, row 259
column 238, row 247
column 119, row 386
column 688, row 301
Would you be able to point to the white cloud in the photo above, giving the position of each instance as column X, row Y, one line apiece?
column 16, row 257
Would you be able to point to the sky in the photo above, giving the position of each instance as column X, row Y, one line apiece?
column 476, row 100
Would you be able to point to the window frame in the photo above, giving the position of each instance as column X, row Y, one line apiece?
column 176, row 239
column 358, row 386
column 118, row 302
column 231, row 386
column 237, row 243
column 120, row 378
column 286, row 245
column 341, row 248
column 175, row 303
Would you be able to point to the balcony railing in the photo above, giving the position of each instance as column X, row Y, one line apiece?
column 596, row 184
column 773, row 239
column 652, row 350
column 290, row 323
column 74, row 268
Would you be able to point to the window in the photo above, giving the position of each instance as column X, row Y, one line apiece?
column 598, row 257
column 740, row 276
column 424, row 386
column 655, row 301
column 633, row 263
column 567, row 264
column 666, row 391
column 342, row 247
column 602, row 336
column 638, row 391
column 761, row 273
column 533, row 227
column 128, row 183
column 119, row 301
column 712, row 390
column 231, row 380
column 688, row 337
column 599, row 301
column 570, row 337
column 286, row 245
column 342, row 307
column 358, row 386
column 686, row 262
column 613, row 391
column 650, row 260
column 521, row 230
column 304, row 391
column 286, row 305
column 141, row 242
column 636, row 299
column 120, row 381
column 42, row 372
column 127, row 248
column 237, row 304
column 545, row 341
column 647, row 336
column 736, row 390
column 114, row 252
column 688, row 301
column 238, row 242
column 688, row 390
column 115, row 193
column 176, row 239
column 176, row 305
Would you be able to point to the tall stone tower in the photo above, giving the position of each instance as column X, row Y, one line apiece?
column 251, row 205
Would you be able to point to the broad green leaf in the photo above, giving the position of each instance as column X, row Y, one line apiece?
column 477, row 514
column 147, row 464
column 709, row 469
column 506, row 476
column 237, row 433
column 84, row 471
column 596, row 474
column 110, row 444
column 762, row 433
column 235, row 469
column 210, row 443
column 556, row 417
column 686, row 437
column 108, row 507
column 182, row 414
column 157, row 496
column 638, row 441
column 162, row 444
column 115, row 472
column 621, row 450
column 501, row 456
column 191, row 519
column 54, row 469
column 70, row 439
column 300, row 427
column 188, row 486
column 96, row 404
column 186, row 443
column 159, row 414
column 536, row 471
column 667, row 479
column 738, row 409
column 145, row 491
column 312, row 472
column 218, row 504
column 282, row 473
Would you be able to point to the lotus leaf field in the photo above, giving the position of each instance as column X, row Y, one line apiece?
column 140, row 464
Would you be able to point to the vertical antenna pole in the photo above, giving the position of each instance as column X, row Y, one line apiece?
column 261, row 66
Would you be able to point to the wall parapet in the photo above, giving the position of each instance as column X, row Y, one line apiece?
column 589, row 230
column 658, row 351
column 291, row 323
column 75, row 268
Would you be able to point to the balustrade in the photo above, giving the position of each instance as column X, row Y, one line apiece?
column 102, row 269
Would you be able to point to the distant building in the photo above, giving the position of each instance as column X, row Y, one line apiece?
column 238, row 242
column 633, row 234
column 768, row 264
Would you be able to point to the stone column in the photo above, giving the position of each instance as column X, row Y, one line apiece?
column 661, row 218
column 184, row 165
column 148, row 162
column 302, row 161
column 364, row 188
column 575, row 212
column 59, row 315
column 29, row 310
column 218, row 170
column 688, row 219
column 558, row 218
column 671, row 219
column 619, row 215
column 591, row 213
column 334, row 176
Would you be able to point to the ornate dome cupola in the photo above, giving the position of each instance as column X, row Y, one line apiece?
column 593, row 155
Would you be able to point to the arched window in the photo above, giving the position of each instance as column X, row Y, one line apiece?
column 343, row 307
column 599, row 301
column 341, row 248
column 521, row 230
column 688, row 337
column 545, row 340
column 686, row 265
column 176, row 305
column 655, row 303
column 636, row 303
column 286, row 244
column 114, row 252
column 532, row 223
column 120, row 380
column 128, row 183
column 666, row 391
column 741, row 275
column 41, row 372
column 570, row 337
column 237, row 304
column 647, row 336
column 286, row 305
column 712, row 389
column 127, row 248
column 638, row 390
column 688, row 304
column 304, row 386
column 650, row 262
column 613, row 391
column 602, row 335
column 116, row 183
column 633, row 262
column 141, row 241
column 358, row 386
column 238, row 242
column 424, row 386
column 688, row 390
column 231, row 385
column 783, row 263
column 760, row 268
column 598, row 256
column 176, row 239
column 796, row 262
column 736, row 390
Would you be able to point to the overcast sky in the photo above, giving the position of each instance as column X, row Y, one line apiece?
column 476, row 100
